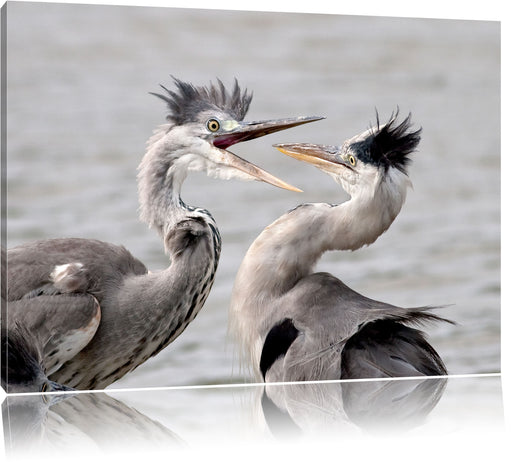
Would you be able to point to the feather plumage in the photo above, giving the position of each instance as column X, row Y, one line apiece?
column 190, row 100
column 388, row 145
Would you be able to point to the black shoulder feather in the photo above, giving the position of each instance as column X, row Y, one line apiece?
column 277, row 342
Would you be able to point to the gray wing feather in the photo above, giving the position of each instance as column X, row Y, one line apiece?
column 63, row 311
column 61, row 324
column 389, row 349
column 327, row 314
column 29, row 266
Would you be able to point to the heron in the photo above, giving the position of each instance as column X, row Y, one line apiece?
column 97, row 310
column 292, row 323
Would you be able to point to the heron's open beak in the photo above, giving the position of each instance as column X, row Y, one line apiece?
column 233, row 132
column 232, row 160
column 322, row 156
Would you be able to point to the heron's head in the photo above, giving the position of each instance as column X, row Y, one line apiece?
column 206, row 121
column 365, row 161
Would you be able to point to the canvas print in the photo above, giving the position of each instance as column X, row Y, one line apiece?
column 357, row 236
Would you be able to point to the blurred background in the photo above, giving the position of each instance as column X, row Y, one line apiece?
column 79, row 114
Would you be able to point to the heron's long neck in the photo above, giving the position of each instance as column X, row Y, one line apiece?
column 160, row 178
column 289, row 249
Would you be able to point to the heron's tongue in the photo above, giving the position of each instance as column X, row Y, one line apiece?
column 225, row 141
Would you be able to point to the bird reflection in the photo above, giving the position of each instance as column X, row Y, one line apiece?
column 34, row 422
column 349, row 407
column 394, row 405
column 90, row 422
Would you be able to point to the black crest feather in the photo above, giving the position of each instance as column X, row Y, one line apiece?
column 188, row 100
column 389, row 145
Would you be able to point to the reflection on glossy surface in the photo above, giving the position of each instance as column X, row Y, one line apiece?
column 87, row 421
column 391, row 405
column 395, row 405
column 168, row 420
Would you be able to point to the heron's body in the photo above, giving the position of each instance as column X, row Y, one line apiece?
column 96, row 310
column 295, row 324
column 116, row 287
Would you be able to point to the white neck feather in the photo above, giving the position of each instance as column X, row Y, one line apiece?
column 159, row 180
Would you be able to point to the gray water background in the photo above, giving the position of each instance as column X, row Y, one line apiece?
column 79, row 115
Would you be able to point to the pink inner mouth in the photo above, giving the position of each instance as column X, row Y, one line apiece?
column 225, row 141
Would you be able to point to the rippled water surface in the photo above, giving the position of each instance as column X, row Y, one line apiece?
column 79, row 115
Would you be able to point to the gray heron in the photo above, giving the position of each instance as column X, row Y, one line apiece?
column 95, row 309
column 295, row 324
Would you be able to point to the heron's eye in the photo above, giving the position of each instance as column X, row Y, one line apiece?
column 352, row 160
column 213, row 125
